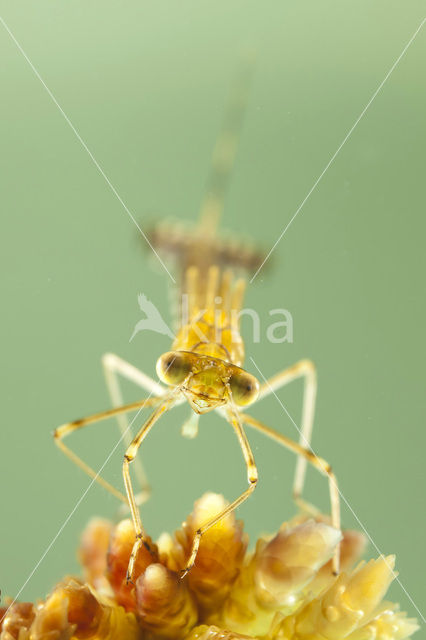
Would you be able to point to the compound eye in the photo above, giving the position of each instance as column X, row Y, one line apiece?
column 173, row 367
column 244, row 388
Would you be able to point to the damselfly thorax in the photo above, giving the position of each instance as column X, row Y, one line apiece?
column 208, row 352
column 211, row 315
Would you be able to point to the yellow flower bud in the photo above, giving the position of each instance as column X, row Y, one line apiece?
column 284, row 590
column 205, row 632
column 220, row 554
column 165, row 606
column 73, row 611
column 274, row 580
column 388, row 624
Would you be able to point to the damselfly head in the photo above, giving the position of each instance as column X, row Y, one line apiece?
column 206, row 389
column 207, row 382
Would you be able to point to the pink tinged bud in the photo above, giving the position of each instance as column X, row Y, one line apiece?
column 275, row 578
column 120, row 549
column 352, row 547
column 93, row 552
column 165, row 606
column 291, row 560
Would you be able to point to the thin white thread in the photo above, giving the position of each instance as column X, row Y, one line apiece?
column 68, row 518
column 254, row 276
column 306, row 444
column 123, row 435
column 84, row 145
column 312, row 189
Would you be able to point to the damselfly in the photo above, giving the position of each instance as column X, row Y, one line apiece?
column 205, row 364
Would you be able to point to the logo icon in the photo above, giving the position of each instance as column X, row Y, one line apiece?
column 153, row 320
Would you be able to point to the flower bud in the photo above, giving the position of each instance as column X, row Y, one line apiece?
column 349, row 602
column 93, row 550
column 16, row 621
column 205, row 632
column 51, row 621
column 291, row 560
column 165, row 605
column 352, row 547
column 389, row 624
column 74, row 611
column 275, row 578
column 369, row 583
column 121, row 545
column 220, row 554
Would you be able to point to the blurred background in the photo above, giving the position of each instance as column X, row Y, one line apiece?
column 145, row 86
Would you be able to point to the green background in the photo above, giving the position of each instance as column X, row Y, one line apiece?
column 145, row 85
